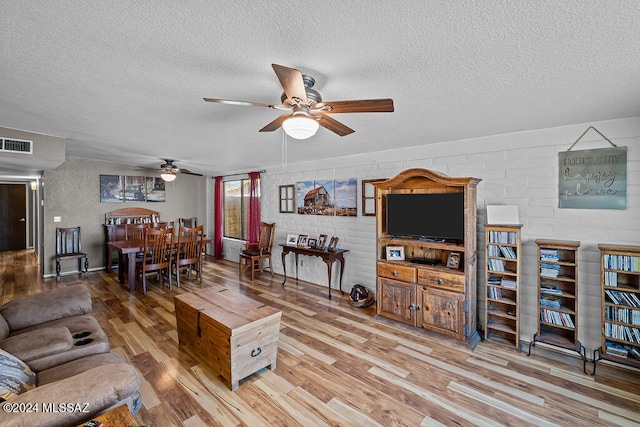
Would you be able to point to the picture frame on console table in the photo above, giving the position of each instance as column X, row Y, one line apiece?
column 292, row 239
column 395, row 253
column 322, row 242
column 302, row 240
column 333, row 243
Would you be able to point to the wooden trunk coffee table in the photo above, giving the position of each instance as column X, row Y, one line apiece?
column 233, row 334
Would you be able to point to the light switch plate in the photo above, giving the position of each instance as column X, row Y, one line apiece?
column 57, row 219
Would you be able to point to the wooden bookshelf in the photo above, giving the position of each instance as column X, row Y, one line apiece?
column 620, row 280
column 558, row 296
column 502, row 279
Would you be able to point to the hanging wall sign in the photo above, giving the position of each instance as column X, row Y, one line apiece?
column 593, row 179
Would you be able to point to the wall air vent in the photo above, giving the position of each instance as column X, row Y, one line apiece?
column 16, row 145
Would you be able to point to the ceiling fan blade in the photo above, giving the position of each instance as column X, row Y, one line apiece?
column 334, row 126
column 188, row 172
column 291, row 81
column 232, row 102
column 360, row 106
column 275, row 124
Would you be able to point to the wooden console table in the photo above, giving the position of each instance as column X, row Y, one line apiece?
column 329, row 257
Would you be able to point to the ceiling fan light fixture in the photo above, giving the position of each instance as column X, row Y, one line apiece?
column 168, row 177
column 300, row 127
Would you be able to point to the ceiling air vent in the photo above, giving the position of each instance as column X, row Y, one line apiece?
column 16, row 145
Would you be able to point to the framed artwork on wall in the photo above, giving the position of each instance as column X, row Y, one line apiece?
column 110, row 188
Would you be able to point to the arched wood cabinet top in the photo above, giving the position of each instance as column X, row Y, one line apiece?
column 415, row 178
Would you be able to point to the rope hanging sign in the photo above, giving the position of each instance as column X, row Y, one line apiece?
column 593, row 179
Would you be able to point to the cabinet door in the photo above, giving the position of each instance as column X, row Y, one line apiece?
column 397, row 300
column 441, row 311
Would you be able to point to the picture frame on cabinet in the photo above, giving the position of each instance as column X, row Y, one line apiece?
column 453, row 261
column 395, row 253
column 312, row 243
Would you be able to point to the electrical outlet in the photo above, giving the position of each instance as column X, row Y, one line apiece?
column 57, row 219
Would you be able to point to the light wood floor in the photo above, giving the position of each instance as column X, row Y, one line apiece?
column 337, row 365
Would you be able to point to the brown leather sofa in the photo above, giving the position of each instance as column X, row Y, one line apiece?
column 53, row 333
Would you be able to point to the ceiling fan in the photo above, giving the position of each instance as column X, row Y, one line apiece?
column 305, row 108
column 169, row 171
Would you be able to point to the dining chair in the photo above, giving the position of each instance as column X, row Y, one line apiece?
column 156, row 256
column 69, row 246
column 135, row 231
column 188, row 252
column 188, row 222
column 163, row 225
column 254, row 253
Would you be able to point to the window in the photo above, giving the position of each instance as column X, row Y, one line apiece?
column 369, row 196
column 287, row 198
column 236, row 203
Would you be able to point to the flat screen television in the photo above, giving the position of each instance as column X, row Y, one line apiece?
column 434, row 216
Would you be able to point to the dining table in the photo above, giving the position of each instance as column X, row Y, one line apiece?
column 127, row 251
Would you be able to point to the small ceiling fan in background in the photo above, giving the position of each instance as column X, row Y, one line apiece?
column 169, row 171
column 305, row 109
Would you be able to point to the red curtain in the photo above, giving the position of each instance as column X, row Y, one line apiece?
column 253, row 210
column 217, row 219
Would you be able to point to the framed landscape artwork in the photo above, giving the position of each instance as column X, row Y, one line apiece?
column 110, row 188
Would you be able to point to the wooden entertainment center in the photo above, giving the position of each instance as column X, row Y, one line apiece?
column 428, row 287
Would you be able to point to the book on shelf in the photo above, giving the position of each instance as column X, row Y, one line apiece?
column 622, row 262
column 616, row 349
column 496, row 265
column 549, row 255
column 611, row 279
column 502, row 237
column 508, row 283
column 494, row 280
column 623, row 298
column 549, row 301
column 508, row 252
column 551, row 290
column 549, row 270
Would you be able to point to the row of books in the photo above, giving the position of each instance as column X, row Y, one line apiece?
column 556, row 318
column 621, row 332
column 501, row 251
column 502, row 237
column 549, row 270
column 494, row 293
column 623, row 298
column 610, row 278
column 496, row 265
column 549, row 255
column 623, row 315
column 618, row 349
column 550, row 301
column 502, row 281
column 622, row 262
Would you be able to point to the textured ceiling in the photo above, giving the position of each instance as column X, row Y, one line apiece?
column 124, row 81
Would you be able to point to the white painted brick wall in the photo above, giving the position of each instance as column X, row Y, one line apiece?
column 517, row 169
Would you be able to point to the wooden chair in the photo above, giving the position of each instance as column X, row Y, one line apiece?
column 69, row 246
column 188, row 222
column 156, row 256
column 188, row 252
column 163, row 225
column 135, row 231
column 254, row 253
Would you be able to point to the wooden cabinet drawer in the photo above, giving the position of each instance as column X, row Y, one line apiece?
column 397, row 272
column 441, row 279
